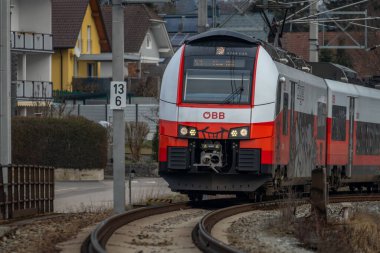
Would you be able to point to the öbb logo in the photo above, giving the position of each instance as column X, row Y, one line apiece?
column 213, row 115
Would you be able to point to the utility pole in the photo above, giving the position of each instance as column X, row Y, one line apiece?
column 118, row 114
column 5, row 94
column 202, row 16
column 118, row 97
column 313, row 36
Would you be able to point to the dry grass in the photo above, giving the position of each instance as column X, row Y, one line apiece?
column 359, row 234
column 43, row 235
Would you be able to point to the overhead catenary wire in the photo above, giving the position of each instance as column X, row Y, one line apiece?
column 357, row 24
column 328, row 20
column 370, row 27
column 300, row 10
column 295, row 2
column 327, row 11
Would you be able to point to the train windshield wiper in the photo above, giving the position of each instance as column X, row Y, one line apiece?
column 236, row 93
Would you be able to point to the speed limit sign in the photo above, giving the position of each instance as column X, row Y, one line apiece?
column 118, row 98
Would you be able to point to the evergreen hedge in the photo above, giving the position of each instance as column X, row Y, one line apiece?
column 72, row 142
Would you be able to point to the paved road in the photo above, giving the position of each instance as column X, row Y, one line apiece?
column 86, row 196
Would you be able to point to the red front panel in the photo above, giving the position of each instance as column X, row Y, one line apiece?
column 261, row 136
column 167, row 141
column 266, row 146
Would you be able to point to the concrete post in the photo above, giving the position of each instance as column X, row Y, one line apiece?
column 202, row 16
column 313, row 38
column 319, row 196
column 118, row 115
column 5, row 92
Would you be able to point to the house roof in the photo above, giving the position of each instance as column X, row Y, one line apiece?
column 364, row 62
column 67, row 19
column 137, row 20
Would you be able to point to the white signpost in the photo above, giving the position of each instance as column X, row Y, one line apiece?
column 118, row 95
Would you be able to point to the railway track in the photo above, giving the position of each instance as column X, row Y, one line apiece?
column 97, row 240
column 201, row 235
column 207, row 243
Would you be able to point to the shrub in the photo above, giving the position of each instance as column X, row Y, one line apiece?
column 72, row 142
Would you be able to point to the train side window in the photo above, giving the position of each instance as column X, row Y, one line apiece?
column 285, row 114
column 321, row 121
column 339, row 123
column 367, row 138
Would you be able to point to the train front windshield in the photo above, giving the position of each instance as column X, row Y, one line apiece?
column 218, row 79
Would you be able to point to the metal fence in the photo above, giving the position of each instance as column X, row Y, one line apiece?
column 133, row 113
column 30, row 190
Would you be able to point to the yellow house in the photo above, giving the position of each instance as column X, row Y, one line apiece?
column 78, row 29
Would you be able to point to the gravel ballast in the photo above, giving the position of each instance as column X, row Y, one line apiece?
column 267, row 231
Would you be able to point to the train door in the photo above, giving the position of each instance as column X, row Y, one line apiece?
column 351, row 136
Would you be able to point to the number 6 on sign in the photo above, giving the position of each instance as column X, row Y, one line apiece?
column 118, row 92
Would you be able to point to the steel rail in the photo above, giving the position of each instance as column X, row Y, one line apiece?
column 207, row 243
column 97, row 240
column 202, row 233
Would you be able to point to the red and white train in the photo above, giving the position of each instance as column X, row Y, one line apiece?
column 237, row 113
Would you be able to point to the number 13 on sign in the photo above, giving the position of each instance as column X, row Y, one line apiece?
column 118, row 92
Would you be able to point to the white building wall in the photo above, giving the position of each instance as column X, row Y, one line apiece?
column 34, row 16
column 38, row 67
column 149, row 55
column 15, row 13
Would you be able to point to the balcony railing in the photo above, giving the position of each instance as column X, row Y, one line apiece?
column 34, row 90
column 31, row 41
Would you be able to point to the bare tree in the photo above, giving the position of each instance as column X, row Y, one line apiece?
column 135, row 133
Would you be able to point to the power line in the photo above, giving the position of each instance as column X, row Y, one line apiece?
column 306, row 7
column 296, row 2
column 367, row 26
column 338, row 8
column 328, row 20
column 357, row 24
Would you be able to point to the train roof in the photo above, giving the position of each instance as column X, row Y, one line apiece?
column 333, row 71
column 221, row 34
column 352, row 89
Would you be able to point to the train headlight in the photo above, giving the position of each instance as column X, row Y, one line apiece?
column 187, row 132
column 244, row 132
column 240, row 132
column 193, row 132
column 183, row 131
column 234, row 133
